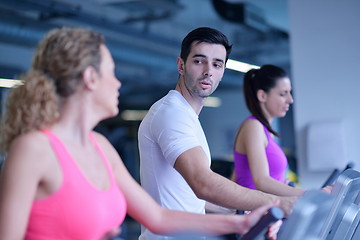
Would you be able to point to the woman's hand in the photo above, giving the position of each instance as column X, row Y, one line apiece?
column 273, row 230
column 327, row 189
column 113, row 233
column 254, row 217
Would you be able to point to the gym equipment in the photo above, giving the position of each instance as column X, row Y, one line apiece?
column 344, row 216
column 309, row 214
column 335, row 174
column 258, row 231
column 292, row 184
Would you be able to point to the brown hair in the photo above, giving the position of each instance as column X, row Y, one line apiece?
column 264, row 78
column 56, row 73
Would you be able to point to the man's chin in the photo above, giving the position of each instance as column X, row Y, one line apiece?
column 204, row 95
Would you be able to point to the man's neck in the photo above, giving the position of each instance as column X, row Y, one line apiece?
column 195, row 102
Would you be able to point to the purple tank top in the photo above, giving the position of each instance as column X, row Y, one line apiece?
column 276, row 159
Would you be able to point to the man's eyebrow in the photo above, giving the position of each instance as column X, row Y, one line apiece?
column 219, row 60
column 203, row 56
column 199, row 55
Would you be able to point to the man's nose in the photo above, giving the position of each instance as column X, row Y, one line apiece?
column 207, row 71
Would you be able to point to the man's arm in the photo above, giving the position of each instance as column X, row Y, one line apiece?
column 214, row 208
column 212, row 187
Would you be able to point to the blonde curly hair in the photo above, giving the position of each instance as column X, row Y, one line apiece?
column 56, row 73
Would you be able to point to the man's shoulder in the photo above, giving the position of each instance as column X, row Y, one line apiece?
column 174, row 98
column 171, row 105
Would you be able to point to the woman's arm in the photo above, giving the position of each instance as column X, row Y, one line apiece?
column 19, row 181
column 163, row 221
column 254, row 142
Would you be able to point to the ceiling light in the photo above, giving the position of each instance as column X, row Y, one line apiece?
column 212, row 102
column 133, row 115
column 9, row 83
column 231, row 64
column 239, row 66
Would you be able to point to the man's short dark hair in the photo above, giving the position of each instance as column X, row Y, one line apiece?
column 204, row 34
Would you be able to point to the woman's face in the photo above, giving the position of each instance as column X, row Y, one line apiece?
column 277, row 101
column 110, row 85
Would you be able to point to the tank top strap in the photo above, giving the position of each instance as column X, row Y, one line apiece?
column 265, row 128
column 104, row 158
column 268, row 135
column 68, row 167
column 58, row 147
column 64, row 156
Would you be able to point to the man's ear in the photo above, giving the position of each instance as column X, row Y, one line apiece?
column 180, row 65
column 90, row 77
column 261, row 95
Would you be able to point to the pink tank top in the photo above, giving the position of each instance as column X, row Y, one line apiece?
column 276, row 159
column 78, row 210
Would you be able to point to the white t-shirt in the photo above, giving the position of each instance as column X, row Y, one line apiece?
column 170, row 128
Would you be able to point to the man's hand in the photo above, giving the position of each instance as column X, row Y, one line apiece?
column 327, row 189
column 287, row 204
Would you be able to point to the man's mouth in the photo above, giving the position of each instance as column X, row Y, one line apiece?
column 205, row 84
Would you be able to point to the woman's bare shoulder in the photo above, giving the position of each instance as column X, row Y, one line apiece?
column 30, row 141
column 31, row 154
column 251, row 125
column 31, row 145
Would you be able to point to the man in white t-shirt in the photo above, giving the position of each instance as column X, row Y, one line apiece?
column 174, row 154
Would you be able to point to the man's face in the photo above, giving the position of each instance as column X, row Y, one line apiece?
column 204, row 68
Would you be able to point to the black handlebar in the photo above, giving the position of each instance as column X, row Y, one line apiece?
column 274, row 214
column 334, row 175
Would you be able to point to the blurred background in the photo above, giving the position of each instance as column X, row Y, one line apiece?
column 317, row 42
column 145, row 38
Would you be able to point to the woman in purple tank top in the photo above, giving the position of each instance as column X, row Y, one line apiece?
column 259, row 161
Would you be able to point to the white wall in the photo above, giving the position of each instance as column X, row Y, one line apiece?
column 325, row 55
